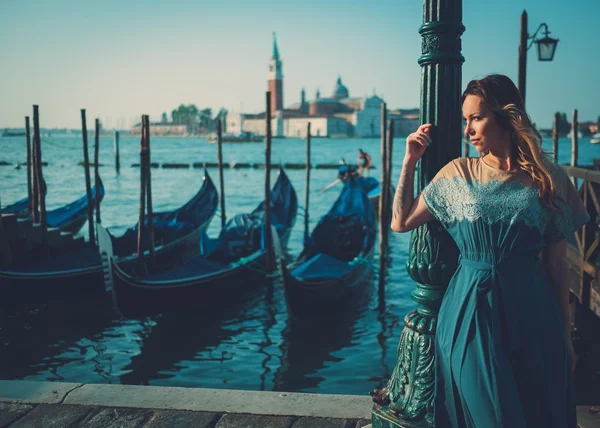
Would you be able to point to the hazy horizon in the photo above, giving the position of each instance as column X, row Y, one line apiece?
column 119, row 61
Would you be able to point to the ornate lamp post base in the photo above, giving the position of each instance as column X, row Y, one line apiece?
column 381, row 418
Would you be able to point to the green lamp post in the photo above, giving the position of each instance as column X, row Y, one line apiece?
column 407, row 400
column 546, row 47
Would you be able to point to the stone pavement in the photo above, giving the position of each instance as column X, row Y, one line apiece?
column 69, row 405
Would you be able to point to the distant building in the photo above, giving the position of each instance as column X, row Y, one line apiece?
column 338, row 115
column 406, row 121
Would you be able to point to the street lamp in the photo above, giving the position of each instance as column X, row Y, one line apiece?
column 546, row 47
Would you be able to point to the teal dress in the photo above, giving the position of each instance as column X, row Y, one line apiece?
column 501, row 350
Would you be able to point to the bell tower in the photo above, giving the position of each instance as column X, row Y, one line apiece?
column 275, row 79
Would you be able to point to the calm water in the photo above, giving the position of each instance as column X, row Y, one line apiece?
column 252, row 344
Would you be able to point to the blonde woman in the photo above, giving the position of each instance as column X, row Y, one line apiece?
column 504, row 355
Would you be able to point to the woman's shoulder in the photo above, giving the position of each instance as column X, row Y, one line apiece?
column 460, row 167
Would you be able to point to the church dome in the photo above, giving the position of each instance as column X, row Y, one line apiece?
column 340, row 91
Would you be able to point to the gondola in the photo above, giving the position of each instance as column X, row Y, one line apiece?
column 230, row 264
column 68, row 218
column 79, row 271
column 336, row 258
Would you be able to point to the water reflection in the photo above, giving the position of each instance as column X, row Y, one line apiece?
column 33, row 337
column 171, row 340
column 312, row 338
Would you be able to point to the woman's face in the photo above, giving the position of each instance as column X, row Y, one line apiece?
column 482, row 128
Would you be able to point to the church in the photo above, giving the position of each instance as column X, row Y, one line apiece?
column 338, row 115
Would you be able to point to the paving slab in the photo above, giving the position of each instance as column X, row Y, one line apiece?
column 10, row 412
column 116, row 418
column 25, row 391
column 183, row 419
column 588, row 416
column 53, row 416
column 223, row 401
column 323, row 423
column 254, row 421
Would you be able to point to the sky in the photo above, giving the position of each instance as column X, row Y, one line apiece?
column 121, row 59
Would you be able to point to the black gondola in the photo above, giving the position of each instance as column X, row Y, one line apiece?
column 227, row 265
column 79, row 269
column 68, row 218
column 336, row 258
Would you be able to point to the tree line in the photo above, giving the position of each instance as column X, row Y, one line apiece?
column 564, row 126
column 197, row 121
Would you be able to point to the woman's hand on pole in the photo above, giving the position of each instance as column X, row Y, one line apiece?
column 417, row 143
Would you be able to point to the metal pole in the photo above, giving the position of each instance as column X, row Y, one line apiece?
column 307, row 198
column 269, row 265
column 88, row 186
column 523, row 55
column 221, row 179
column 433, row 255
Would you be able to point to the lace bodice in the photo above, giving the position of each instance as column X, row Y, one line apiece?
column 469, row 189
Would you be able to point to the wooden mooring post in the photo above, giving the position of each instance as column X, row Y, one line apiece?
column 574, row 143
column 307, row 186
column 555, row 137
column 35, row 192
column 88, row 185
column 151, row 237
column 5, row 249
column 143, row 166
column 270, row 261
column 221, row 179
column 117, row 158
column 29, row 165
column 96, row 173
column 40, row 176
column 383, row 227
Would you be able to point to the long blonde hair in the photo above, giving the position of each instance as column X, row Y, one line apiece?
column 502, row 97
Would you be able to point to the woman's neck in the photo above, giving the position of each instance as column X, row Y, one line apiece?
column 503, row 161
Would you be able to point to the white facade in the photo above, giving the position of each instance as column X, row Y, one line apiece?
column 297, row 127
column 367, row 121
column 234, row 123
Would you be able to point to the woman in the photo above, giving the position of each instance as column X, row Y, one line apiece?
column 503, row 349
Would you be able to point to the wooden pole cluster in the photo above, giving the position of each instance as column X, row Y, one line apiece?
column 145, row 192
column 268, row 238
column 574, row 142
column 88, row 185
column 96, row 173
column 555, row 136
column 117, row 158
column 29, row 165
column 221, row 179
column 307, row 197
column 40, row 177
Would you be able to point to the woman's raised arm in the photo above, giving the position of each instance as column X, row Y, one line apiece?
column 409, row 213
